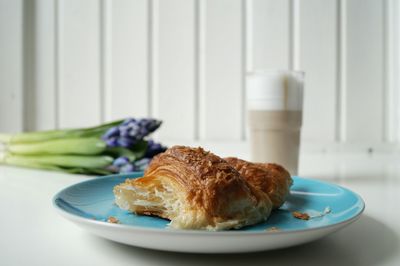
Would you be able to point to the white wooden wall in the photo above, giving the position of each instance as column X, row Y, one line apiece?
column 71, row 63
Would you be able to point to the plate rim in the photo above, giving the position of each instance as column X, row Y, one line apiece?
column 168, row 231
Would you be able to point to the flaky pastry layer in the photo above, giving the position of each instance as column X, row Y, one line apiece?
column 195, row 189
column 271, row 178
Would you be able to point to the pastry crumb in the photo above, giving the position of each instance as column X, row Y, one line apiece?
column 272, row 229
column 301, row 215
column 113, row 220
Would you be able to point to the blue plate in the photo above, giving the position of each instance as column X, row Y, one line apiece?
column 91, row 203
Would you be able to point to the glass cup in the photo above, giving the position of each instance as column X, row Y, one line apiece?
column 274, row 108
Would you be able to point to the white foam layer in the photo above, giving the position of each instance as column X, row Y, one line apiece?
column 275, row 90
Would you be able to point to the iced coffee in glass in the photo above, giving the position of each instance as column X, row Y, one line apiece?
column 274, row 104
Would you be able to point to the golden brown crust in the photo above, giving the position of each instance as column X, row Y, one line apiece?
column 211, row 183
column 271, row 178
column 212, row 194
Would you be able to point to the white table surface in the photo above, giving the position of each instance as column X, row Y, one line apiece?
column 32, row 233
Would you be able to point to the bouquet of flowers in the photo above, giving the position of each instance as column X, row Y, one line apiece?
column 116, row 147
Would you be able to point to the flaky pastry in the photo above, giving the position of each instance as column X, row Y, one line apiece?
column 195, row 189
column 271, row 178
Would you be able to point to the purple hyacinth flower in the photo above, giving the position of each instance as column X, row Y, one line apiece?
column 124, row 131
column 127, row 168
column 132, row 123
column 143, row 122
column 128, row 120
column 143, row 161
column 153, row 125
column 141, row 164
column 130, row 131
column 112, row 142
column 111, row 132
column 133, row 131
column 143, row 131
column 125, row 142
column 120, row 161
column 154, row 148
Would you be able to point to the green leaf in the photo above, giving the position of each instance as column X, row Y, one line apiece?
column 85, row 146
column 38, row 136
column 48, row 161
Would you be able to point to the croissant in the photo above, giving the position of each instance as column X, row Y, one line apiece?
column 271, row 178
column 195, row 189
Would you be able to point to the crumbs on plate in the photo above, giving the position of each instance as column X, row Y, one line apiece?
column 301, row 215
column 312, row 215
column 113, row 220
column 273, row 229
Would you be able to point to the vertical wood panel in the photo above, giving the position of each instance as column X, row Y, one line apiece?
column 79, row 63
column 270, row 44
column 29, row 71
column 222, row 70
column 174, row 65
column 11, row 65
column 364, row 65
column 128, row 95
column 392, row 58
column 41, row 108
column 318, row 58
column 341, row 115
column 395, row 69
